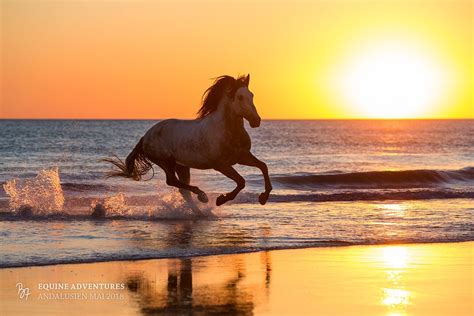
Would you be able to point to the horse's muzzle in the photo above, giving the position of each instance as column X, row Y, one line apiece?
column 255, row 123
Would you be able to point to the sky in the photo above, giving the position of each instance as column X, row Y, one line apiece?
column 137, row 59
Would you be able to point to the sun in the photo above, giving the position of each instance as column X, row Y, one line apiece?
column 392, row 80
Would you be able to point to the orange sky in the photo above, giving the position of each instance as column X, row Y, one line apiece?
column 153, row 59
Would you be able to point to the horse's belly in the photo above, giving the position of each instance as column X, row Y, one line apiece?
column 194, row 160
column 195, row 164
column 207, row 160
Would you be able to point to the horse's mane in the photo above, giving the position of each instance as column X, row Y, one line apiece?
column 213, row 94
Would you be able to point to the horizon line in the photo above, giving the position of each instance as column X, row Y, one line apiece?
column 263, row 119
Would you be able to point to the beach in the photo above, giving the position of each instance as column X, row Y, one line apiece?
column 405, row 279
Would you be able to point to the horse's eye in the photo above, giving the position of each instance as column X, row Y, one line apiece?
column 240, row 98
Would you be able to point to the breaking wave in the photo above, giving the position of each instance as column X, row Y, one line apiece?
column 379, row 195
column 379, row 179
column 43, row 197
column 171, row 206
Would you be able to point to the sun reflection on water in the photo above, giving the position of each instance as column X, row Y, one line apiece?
column 395, row 314
column 395, row 257
column 394, row 209
column 394, row 294
column 395, row 297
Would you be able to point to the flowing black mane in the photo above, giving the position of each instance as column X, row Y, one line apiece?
column 213, row 94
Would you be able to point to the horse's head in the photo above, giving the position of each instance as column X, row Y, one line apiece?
column 242, row 104
column 235, row 94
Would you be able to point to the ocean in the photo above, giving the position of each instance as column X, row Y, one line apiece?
column 336, row 183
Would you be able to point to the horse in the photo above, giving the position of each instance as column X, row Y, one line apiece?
column 216, row 139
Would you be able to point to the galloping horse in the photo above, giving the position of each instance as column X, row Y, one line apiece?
column 216, row 139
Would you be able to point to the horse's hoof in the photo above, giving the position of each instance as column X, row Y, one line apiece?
column 262, row 198
column 221, row 199
column 202, row 197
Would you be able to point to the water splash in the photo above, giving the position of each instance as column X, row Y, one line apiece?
column 114, row 205
column 41, row 195
column 174, row 206
column 166, row 205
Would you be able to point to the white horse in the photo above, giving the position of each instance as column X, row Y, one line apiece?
column 215, row 140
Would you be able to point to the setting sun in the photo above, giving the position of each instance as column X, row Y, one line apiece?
column 393, row 80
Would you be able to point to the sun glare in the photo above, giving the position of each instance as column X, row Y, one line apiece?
column 393, row 81
column 395, row 257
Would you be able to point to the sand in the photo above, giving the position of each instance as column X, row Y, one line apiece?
column 418, row 279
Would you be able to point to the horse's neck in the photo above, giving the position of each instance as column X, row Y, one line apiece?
column 226, row 119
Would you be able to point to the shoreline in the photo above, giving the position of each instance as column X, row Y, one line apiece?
column 397, row 279
column 337, row 244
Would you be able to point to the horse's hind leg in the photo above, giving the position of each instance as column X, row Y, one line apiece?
column 184, row 175
column 169, row 167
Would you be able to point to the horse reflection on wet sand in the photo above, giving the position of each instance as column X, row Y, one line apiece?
column 196, row 286
column 217, row 140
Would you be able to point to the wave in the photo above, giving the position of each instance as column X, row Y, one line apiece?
column 85, row 187
column 171, row 207
column 378, row 179
column 44, row 196
column 420, row 194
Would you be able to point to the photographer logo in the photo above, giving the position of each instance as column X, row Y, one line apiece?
column 23, row 292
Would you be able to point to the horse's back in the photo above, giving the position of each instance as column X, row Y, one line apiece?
column 200, row 144
column 180, row 140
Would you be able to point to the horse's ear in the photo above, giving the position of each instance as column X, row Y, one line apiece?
column 247, row 80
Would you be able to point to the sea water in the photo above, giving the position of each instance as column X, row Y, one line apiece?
column 336, row 182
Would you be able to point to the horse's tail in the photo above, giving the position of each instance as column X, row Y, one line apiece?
column 136, row 164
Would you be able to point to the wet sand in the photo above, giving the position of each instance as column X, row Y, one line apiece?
column 419, row 279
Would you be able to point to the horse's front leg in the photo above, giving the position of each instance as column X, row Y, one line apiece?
column 250, row 160
column 230, row 172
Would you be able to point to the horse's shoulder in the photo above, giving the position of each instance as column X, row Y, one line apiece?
column 237, row 140
column 242, row 135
